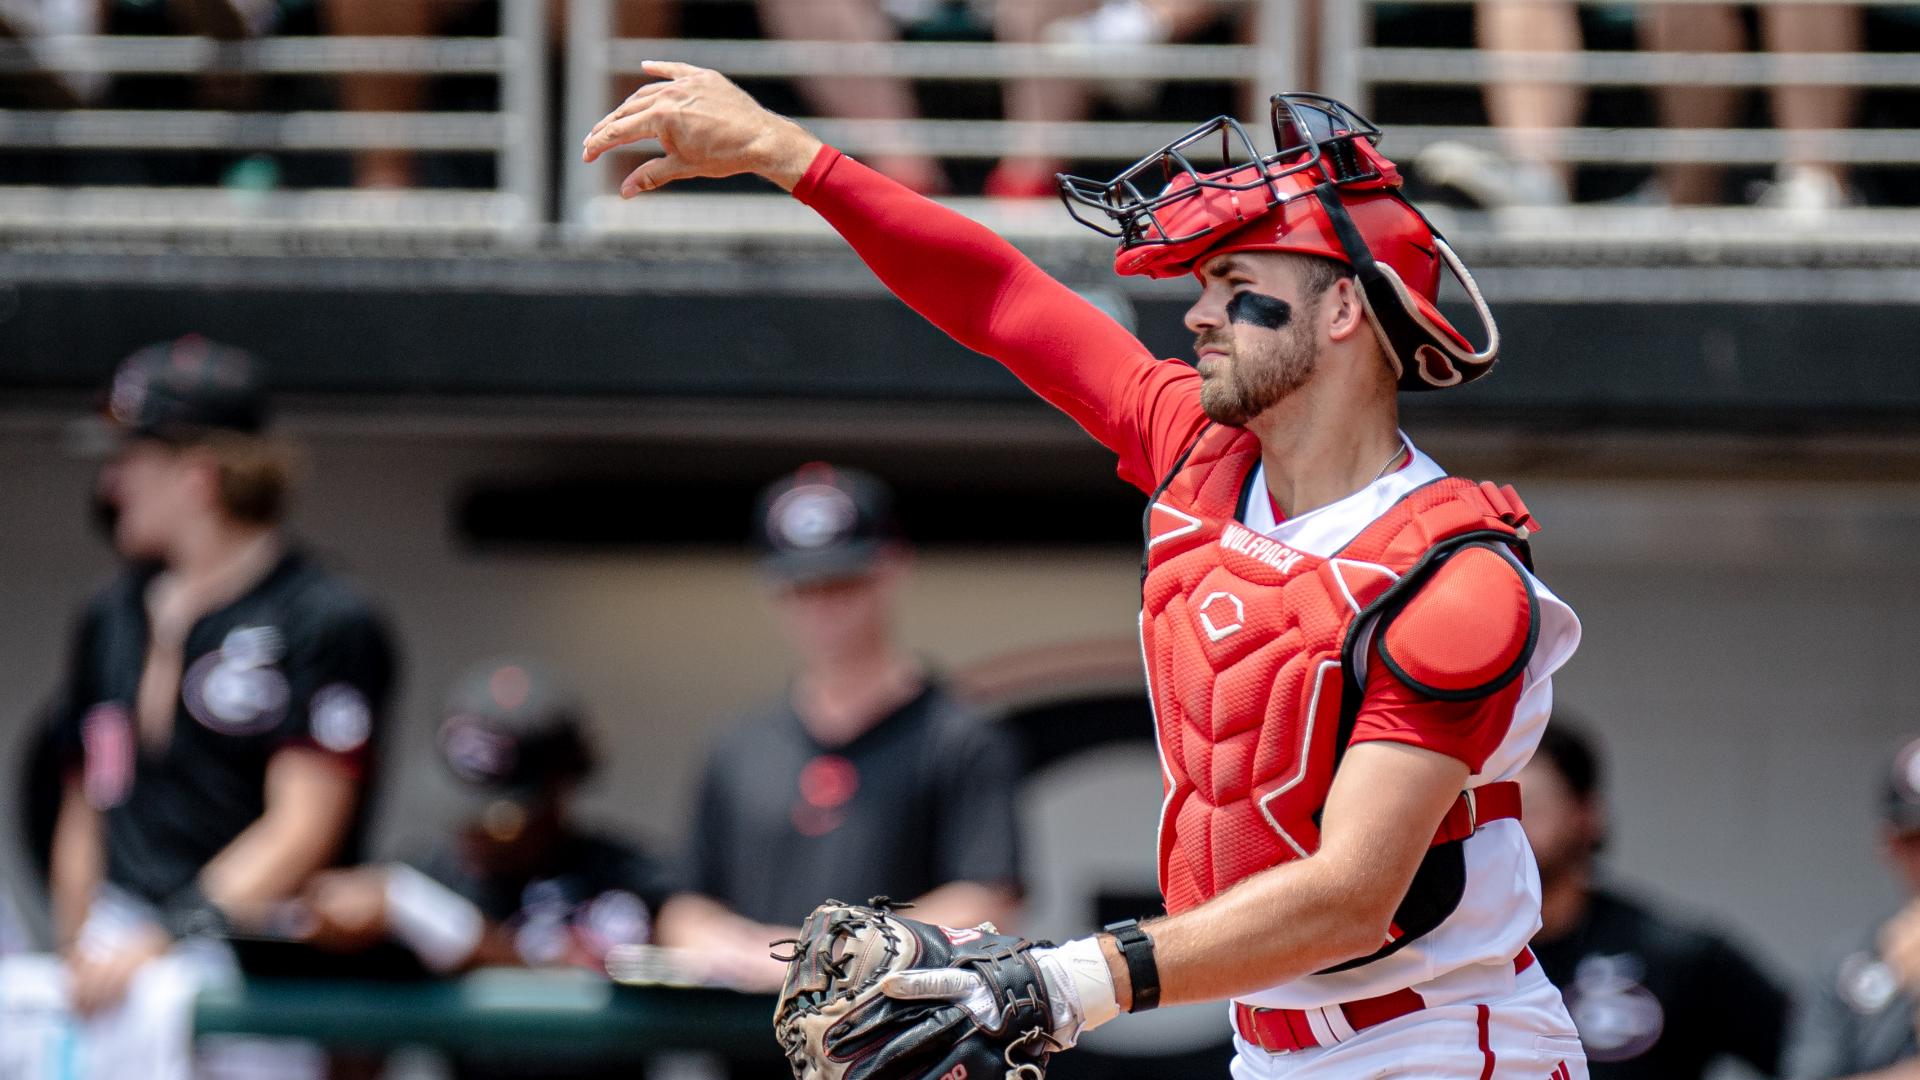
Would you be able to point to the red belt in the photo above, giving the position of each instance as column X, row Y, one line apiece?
column 1278, row 1031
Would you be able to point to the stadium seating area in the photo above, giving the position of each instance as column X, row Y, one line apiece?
column 450, row 120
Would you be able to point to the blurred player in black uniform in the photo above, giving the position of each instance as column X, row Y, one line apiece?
column 216, row 724
column 1652, row 997
column 1862, row 1015
column 866, row 778
column 519, row 883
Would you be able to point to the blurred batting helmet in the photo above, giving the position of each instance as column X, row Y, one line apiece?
column 1325, row 191
column 511, row 728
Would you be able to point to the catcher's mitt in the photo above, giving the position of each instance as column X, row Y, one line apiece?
column 835, row 1022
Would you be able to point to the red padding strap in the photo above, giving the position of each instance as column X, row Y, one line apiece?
column 1476, row 807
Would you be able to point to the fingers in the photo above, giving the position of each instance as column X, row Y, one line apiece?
column 932, row 984
column 654, row 174
column 670, row 69
column 633, row 104
column 82, row 980
column 666, row 71
column 644, row 124
column 97, row 985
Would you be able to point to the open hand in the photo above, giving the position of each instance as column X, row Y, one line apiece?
column 347, row 909
column 99, row 978
column 706, row 125
column 1900, row 946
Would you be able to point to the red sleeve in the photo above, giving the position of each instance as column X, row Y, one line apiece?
column 977, row 287
column 1470, row 731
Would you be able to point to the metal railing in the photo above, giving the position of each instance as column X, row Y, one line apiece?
column 515, row 135
column 596, row 55
column 518, row 135
column 1354, row 67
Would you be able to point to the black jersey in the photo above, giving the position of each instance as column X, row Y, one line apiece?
column 1658, row 1000
column 923, row 798
column 590, row 893
column 1856, row 1019
column 298, row 660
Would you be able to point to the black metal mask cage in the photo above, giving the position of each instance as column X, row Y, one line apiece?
column 1309, row 130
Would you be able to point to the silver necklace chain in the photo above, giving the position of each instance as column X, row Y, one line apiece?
column 1397, row 451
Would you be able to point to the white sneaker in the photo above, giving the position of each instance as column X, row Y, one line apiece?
column 1490, row 179
column 1805, row 192
column 31, row 23
column 1116, row 22
column 1121, row 23
column 1650, row 193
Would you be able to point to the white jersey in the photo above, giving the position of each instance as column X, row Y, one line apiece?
column 1499, row 911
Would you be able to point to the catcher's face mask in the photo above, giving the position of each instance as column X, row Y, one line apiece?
column 1325, row 191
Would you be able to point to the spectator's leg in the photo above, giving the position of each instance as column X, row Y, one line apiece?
column 1310, row 23
column 855, row 97
column 1186, row 18
column 631, row 19
column 1030, row 171
column 228, row 20
column 1812, row 28
column 644, row 18
column 1530, row 114
column 1694, row 28
column 389, row 168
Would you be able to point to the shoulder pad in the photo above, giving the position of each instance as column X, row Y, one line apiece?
column 1467, row 630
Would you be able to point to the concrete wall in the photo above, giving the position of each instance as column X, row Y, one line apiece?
column 1748, row 658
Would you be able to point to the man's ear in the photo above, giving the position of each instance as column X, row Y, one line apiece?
column 1343, row 310
column 202, row 468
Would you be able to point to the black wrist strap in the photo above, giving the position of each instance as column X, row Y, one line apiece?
column 1136, row 948
column 188, row 913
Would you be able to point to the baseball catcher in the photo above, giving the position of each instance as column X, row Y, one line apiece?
column 1347, row 651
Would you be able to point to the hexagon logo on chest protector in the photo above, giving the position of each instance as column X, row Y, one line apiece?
column 1245, row 642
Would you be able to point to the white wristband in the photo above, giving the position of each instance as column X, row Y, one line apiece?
column 1077, row 972
column 442, row 927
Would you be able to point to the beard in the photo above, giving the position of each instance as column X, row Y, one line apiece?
column 1258, row 377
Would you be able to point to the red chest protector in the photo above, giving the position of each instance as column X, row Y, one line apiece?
column 1249, row 646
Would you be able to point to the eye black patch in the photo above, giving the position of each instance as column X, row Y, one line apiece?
column 1259, row 309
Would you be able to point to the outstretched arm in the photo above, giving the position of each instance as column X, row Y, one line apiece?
column 958, row 274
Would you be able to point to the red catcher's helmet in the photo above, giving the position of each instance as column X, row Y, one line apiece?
column 1325, row 191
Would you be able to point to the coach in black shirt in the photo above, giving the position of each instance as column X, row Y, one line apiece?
column 866, row 779
column 1652, row 997
column 222, row 697
column 1862, row 1012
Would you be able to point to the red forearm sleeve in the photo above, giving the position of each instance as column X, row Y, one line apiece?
column 981, row 291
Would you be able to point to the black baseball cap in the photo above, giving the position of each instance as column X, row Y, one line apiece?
column 173, row 390
column 824, row 522
column 512, row 729
column 1901, row 798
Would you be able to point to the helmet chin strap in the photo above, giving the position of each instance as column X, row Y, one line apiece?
column 1402, row 328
